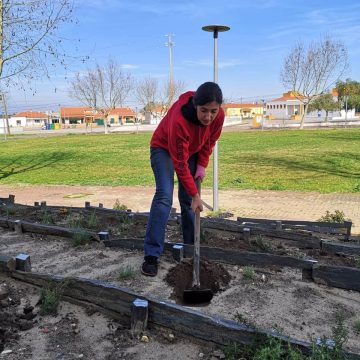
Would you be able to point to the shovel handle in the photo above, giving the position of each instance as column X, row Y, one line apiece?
column 196, row 265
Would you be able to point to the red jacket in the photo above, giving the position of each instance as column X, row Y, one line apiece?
column 182, row 138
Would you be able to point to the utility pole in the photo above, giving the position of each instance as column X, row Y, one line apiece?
column 7, row 126
column 170, row 44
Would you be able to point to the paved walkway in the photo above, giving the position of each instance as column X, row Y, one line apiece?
column 281, row 205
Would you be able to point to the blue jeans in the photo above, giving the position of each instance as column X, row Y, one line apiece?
column 163, row 169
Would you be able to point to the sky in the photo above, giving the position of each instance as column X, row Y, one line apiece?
column 250, row 55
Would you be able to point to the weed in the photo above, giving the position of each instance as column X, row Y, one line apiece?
column 337, row 217
column 126, row 272
column 9, row 210
column 357, row 187
column 74, row 220
column 357, row 326
column 249, row 272
column 238, row 180
column 272, row 348
column 47, row 217
column 262, row 245
column 124, row 218
column 92, row 221
column 119, row 206
column 80, row 238
column 50, row 297
column 357, row 262
column 243, row 320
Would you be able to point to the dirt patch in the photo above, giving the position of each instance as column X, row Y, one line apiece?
column 213, row 276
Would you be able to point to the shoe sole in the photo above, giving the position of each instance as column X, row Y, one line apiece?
column 147, row 274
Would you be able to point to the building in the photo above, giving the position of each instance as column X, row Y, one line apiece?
column 29, row 119
column 86, row 115
column 288, row 106
column 243, row 110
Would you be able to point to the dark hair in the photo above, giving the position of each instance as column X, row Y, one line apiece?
column 208, row 92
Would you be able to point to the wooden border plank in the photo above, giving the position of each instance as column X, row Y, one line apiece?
column 222, row 255
column 161, row 313
column 340, row 248
column 336, row 276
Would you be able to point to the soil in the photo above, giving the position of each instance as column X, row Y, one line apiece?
column 271, row 298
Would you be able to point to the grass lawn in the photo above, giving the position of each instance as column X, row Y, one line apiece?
column 305, row 160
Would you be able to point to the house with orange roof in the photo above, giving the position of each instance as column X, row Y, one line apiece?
column 246, row 110
column 29, row 119
column 86, row 115
column 288, row 106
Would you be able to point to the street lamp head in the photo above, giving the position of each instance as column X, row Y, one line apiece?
column 216, row 28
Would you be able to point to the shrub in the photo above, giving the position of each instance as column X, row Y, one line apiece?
column 118, row 206
column 337, row 217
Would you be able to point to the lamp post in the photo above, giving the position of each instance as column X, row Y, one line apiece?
column 215, row 29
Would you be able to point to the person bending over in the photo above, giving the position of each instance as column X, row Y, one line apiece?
column 182, row 143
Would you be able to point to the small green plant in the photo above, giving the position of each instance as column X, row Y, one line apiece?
column 47, row 217
column 249, row 272
column 357, row 326
column 357, row 262
column 126, row 272
column 119, row 206
column 50, row 297
column 215, row 214
column 262, row 245
column 80, row 238
column 337, row 217
column 93, row 220
column 357, row 187
column 273, row 348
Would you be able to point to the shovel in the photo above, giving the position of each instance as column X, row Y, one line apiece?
column 195, row 295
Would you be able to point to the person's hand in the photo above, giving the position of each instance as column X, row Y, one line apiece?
column 200, row 172
column 196, row 204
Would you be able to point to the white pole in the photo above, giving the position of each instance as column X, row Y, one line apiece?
column 215, row 29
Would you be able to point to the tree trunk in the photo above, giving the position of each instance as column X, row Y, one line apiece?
column 304, row 114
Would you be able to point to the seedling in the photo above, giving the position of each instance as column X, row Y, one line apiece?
column 262, row 245
column 249, row 272
column 50, row 297
column 126, row 272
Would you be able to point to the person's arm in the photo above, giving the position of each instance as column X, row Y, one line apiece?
column 205, row 152
column 179, row 152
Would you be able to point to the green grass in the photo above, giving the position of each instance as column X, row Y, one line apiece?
column 303, row 160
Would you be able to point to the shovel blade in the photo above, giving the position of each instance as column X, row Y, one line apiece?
column 197, row 296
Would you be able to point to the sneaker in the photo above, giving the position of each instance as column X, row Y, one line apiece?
column 150, row 266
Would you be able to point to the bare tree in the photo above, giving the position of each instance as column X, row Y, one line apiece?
column 312, row 71
column 102, row 88
column 156, row 97
column 29, row 39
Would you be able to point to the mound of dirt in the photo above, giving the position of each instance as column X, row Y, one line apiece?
column 213, row 276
